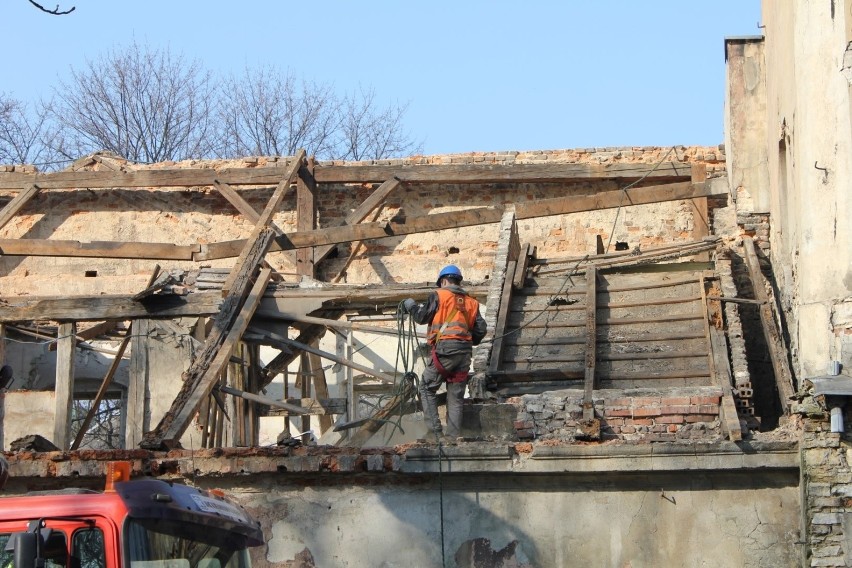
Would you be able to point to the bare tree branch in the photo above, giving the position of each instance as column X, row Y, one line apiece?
column 56, row 11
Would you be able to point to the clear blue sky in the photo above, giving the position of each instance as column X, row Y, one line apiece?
column 477, row 75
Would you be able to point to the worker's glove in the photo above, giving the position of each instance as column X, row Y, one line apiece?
column 408, row 305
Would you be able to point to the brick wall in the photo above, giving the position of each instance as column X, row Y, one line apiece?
column 630, row 415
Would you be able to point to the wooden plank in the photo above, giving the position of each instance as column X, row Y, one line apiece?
column 235, row 199
column 64, row 386
column 138, row 402
column 96, row 308
column 200, row 378
column 502, row 317
column 17, row 203
column 97, row 249
column 501, row 173
column 700, row 211
column 774, row 341
column 521, row 269
column 591, row 343
column 533, row 375
column 722, row 374
column 581, row 357
column 361, row 212
column 473, row 217
column 312, row 406
column 604, row 338
column 306, row 218
column 615, row 321
column 338, row 324
column 260, row 240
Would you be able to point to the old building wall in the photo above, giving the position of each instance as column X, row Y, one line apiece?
column 809, row 143
column 201, row 215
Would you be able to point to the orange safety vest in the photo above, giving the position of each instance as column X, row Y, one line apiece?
column 454, row 318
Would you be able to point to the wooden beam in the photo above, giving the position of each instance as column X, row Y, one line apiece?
column 591, row 343
column 374, row 423
column 478, row 216
column 536, row 375
column 338, row 324
column 700, row 211
column 200, row 378
column 320, row 388
column 97, row 308
column 326, row 355
column 97, row 249
column 361, row 212
column 502, row 318
column 175, row 177
column 522, row 266
column 260, row 240
column 17, row 203
column 138, row 418
column 64, row 386
column 501, row 173
column 306, row 218
column 312, row 406
column 289, row 408
column 774, row 341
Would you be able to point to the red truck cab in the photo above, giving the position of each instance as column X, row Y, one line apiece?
column 144, row 523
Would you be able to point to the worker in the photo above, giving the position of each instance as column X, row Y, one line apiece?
column 455, row 326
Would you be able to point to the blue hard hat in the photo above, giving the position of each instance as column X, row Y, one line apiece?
column 449, row 270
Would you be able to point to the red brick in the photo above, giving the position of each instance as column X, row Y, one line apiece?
column 705, row 399
column 628, row 430
column 647, row 411
column 640, row 422
column 647, row 401
column 675, row 400
column 614, row 421
column 675, row 410
column 617, row 412
column 672, row 427
column 618, row 402
column 700, row 418
column 708, row 409
column 674, row 419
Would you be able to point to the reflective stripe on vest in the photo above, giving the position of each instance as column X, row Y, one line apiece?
column 454, row 318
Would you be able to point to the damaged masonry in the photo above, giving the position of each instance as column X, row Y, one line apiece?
column 663, row 381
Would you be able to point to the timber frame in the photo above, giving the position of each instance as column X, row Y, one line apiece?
column 251, row 293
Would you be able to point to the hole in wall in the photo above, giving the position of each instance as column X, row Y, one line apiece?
column 91, row 273
column 453, row 250
column 621, row 246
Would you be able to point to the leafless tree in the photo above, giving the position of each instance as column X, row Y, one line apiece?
column 25, row 134
column 145, row 105
column 104, row 431
column 56, row 11
column 267, row 112
column 369, row 132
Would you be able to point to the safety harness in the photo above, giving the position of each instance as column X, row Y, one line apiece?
column 459, row 327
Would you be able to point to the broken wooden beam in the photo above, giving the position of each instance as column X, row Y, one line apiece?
column 201, row 377
column 774, row 341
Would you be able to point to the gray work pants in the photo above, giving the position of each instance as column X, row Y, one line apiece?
column 454, row 356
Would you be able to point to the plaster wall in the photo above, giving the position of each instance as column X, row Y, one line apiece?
column 551, row 521
column 26, row 412
column 809, row 140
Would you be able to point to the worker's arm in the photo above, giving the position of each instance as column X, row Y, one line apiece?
column 479, row 329
column 423, row 313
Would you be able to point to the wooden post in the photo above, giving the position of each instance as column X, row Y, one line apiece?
column 306, row 372
column 65, row 351
column 700, row 211
column 138, row 412
column 320, row 387
column 306, row 217
column 351, row 401
column 591, row 342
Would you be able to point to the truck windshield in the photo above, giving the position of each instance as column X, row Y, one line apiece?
column 159, row 543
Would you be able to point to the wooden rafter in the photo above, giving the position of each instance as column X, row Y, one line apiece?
column 461, row 174
column 16, row 204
